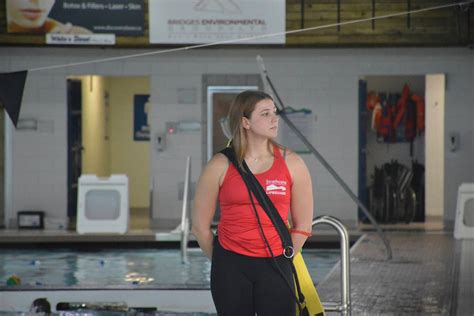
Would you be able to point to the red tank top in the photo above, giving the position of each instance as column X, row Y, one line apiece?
column 238, row 229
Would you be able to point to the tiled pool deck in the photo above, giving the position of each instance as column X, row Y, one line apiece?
column 430, row 273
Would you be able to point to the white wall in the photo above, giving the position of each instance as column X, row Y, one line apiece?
column 325, row 80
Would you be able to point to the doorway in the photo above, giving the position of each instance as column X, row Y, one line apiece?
column 74, row 143
column 109, row 133
column 401, row 147
column 219, row 100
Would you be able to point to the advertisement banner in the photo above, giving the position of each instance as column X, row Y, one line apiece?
column 118, row 17
column 141, row 127
column 209, row 21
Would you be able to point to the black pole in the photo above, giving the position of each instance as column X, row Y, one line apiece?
column 338, row 15
column 302, row 14
column 408, row 15
column 373, row 14
column 280, row 108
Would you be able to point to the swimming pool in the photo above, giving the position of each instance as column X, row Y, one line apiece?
column 134, row 270
column 125, row 267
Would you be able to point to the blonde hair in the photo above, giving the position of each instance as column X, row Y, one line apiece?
column 242, row 106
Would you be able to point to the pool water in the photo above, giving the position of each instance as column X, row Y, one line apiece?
column 102, row 268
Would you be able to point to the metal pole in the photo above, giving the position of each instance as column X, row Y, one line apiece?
column 280, row 105
column 184, row 213
column 345, row 306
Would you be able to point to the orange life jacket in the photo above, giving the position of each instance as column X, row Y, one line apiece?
column 401, row 105
column 386, row 130
column 420, row 113
column 376, row 117
column 372, row 100
column 410, row 121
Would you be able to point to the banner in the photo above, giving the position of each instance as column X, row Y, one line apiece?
column 119, row 17
column 12, row 85
column 208, row 21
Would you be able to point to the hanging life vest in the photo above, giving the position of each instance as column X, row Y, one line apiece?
column 401, row 106
column 399, row 129
column 372, row 100
column 410, row 123
column 420, row 113
column 385, row 129
column 376, row 117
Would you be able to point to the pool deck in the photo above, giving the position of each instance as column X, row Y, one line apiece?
column 430, row 273
column 145, row 237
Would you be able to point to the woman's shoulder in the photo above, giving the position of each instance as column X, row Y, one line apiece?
column 287, row 154
column 219, row 160
column 293, row 161
column 217, row 167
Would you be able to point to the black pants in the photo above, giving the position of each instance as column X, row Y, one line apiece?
column 243, row 286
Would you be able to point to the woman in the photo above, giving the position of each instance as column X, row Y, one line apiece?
column 244, row 278
column 31, row 16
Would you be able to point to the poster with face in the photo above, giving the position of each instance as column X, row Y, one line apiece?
column 118, row 17
column 24, row 16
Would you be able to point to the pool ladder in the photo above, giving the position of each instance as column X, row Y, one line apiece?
column 344, row 307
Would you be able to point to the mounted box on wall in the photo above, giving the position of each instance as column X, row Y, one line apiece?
column 183, row 127
column 30, row 219
column 454, row 141
column 27, row 124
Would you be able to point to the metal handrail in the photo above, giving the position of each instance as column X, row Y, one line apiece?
column 184, row 228
column 345, row 306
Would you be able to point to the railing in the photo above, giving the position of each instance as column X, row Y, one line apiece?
column 185, row 212
column 345, row 306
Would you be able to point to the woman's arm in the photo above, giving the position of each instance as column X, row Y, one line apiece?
column 205, row 200
column 301, row 200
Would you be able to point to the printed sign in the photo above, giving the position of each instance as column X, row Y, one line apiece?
column 80, row 39
column 119, row 17
column 141, row 108
column 208, row 21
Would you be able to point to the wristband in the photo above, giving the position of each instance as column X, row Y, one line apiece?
column 301, row 232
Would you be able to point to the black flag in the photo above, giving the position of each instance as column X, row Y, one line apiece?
column 12, row 85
